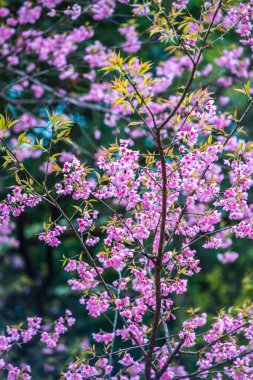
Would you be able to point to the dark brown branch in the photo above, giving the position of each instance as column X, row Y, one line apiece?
column 169, row 360
column 158, row 295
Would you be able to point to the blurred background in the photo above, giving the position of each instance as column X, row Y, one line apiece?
column 32, row 279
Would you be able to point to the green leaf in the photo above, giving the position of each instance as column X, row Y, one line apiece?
column 2, row 122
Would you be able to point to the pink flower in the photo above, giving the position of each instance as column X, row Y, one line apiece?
column 227, row 257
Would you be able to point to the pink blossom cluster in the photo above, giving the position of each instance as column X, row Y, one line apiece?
column 139, row 191
column 102, row 9
column 74, row 12
column 61, row 326
column 50, row 236
column 14, row 373
column 18, row 335
column 86, row 371
column 187, row 334
column 132, row 44
column 229, row 349
column 75, row 181
column 15, row 204
column 86, row 275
